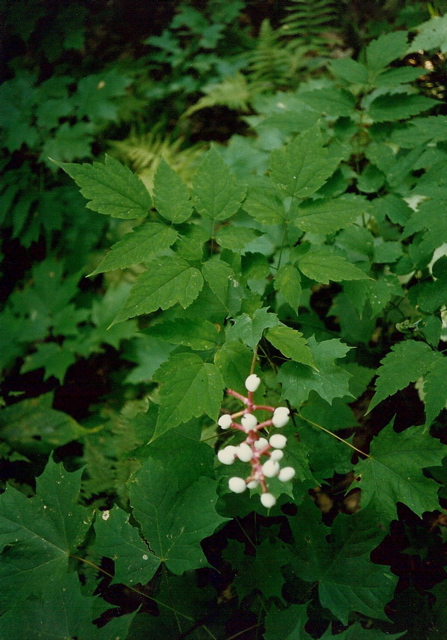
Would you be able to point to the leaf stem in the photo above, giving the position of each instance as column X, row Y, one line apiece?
column 334, row 435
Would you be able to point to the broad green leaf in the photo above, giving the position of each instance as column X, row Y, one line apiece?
column 264, row 204
column 236, row 238
column 350, row 70
column 288, row 282
column 324, row 266
column 287, row 624
column 385, row 49
column 347, row 580
column 393, row 472
column 39, row 534
column 189, row 388
column 291, row 344
column 217, row 193
column 117, row 539
column 358, row 632
column 148, row 354
column 303, row 166
column 435, row 390
column 199, row 335
column 52, row 357
column 174, row 522
column 399, row 106
column 250, row 330
column 432, row 35
column 171, row 197
column 61, row 612
column 329, row 215
column 430, row 216
column 394, row 77
column 137, row 247
column 219, row 276
column 328, row 380
column 405, row 363
column 111, row 188
column 233, row 360
column 168, row 281
column 31, row 425
column 330, row 102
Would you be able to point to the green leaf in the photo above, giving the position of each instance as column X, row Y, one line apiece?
column 217, row 193
column 190, row 387
column 111, row 188
column 52, row 357
column 287, row 624
column 429, row 216
column 288, row 282
column 250, row 330
column 218, row 275
column 170, row 519
column 393, row 472
column 263, row 203
column 347, row 579
column 236, row 238
column 117, row 539
column 330, row 102
column 327, row 379
column 406, row 362
column 350, row 70
column 137, row 247
column 168, row 281
column 291, row 344
column 324, row 266
column 385, row 49
column 435, row 389
column 329, row 215
column 233, row 361
column 399, row 106
column 199, row 335
column 171, row 197
column 432, row 35
column 39, row 534
column 303, row 166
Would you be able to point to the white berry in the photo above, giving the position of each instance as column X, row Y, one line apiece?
column 280, row 417
column 252, row 484
column 225, row 421
column 277, row 455
column 268, row 500
column 270, row 468
column 252, row 382
column 227, row 455
column 237, row 485
column 278, row 441
column 261, row 443
column 244, row 452
column 286, row 474
column 248, row 421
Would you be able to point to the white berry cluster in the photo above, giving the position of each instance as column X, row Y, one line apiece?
column 263, row 455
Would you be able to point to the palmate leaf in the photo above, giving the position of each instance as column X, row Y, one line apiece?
column 189, row 388
column 171, row 197
column 405, row 363
column 217, row 193
column 173, row 521
column 393, row 472
column 61, row 612
column 138, row 246
column 168, row 281
column 303, row 166
column 38, row 534
column 287, row 624
column 111, row 188
column 347, row 579
column 328, row 380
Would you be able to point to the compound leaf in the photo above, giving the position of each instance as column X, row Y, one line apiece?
column 323, row 266
column 329, row 215
column 171, row 197
column 111, row 188
column 288, row 282
column 291, row 343
column 435, row 390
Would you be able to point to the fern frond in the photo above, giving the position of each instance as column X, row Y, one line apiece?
column 270, row 63
column 233, row 92
column 308, row 20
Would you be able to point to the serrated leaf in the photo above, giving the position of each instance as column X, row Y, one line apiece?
column 111, row 188
column 217, row 193
column 385, row 49
column 393, row 472
column 189, row 388
column 170, row 519
column 117, row 539
column 250, row 330
column 328, row 380
column 38, row 534
column 435, row 390
column 399, row 106
column 236, row 238
column 330, row 102
column 137, row 247
column 303, row 166
column 264, row 204
column 329, row 215
column 219, row 276
column 171, row 197
column 233, row 361
column 51, row 357
column 350, row 70
column 432, row 35
column 199, row 335
column 288, row 282
column 347, row 579
column 406, row 362
column 286, row 624
column 168, row 281
column 291, row 344
column 323, row 266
